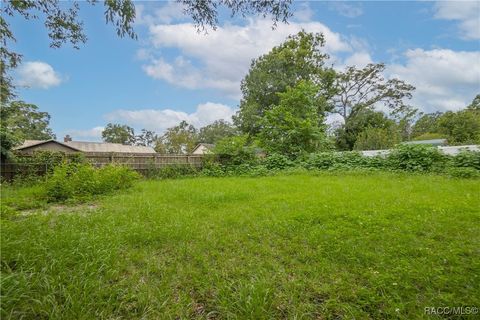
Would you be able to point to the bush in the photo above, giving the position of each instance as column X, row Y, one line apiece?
column 277, row 162
column 415, row 157
column 82, row 180
column 234, row 151
column 467, row 159
column 464, row 173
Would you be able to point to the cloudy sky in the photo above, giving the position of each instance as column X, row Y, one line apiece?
column 173, row 73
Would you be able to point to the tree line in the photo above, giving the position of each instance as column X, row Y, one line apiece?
column 288, row 93
column 286, row 96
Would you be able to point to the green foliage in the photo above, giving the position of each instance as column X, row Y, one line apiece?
column 216, row 131
column 467, row 159
column 366, row 120
column 430, row 136
column 146, row 138
column 294, row 126
column 411, row 157
column 172, row 172
column 299, row 58
column 463, row 173
column 20, row 121
column 117, row 133
column 235, row 151
column 375, row 139
column 342, row 160
column 7, row 142
column 277, row 162
column 461, row 127
column 426, row 124
column 180, row 139
column 82, row 180
column 205, row 13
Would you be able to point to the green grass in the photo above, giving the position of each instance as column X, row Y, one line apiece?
column 332, row 246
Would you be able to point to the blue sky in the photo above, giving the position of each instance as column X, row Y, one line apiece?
column 172, row 73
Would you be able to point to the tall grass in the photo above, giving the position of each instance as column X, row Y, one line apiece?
column 331, row 246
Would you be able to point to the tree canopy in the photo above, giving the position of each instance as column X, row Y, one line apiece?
column 216, row 131
column 117, row 133
column 361, row 121
column 180, row 139
column 299, row 58
column 21, row 121
column 293, row 126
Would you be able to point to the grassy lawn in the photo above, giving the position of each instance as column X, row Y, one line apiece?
column 380, row 246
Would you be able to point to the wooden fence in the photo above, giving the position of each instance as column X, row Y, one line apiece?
column 141, row 162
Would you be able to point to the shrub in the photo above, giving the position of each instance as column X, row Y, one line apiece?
column 82, row 180
column 212, row 169
column 412, row 157
column 277, row 162
column 467, row 159
column 464, row 173
column 321, row 160
column 234, row 151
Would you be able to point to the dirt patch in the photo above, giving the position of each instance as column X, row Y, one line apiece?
column 81, row 209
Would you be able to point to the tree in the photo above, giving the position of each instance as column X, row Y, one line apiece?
column 461, row 127
column 216, row 131
column 374, row 139
column 366, row 88
column 146, row 138
column 298, row 58
column 180, row 139
column 294, row 125
column 475, row 105
column 117, row 133
column 360, row 121
column 426, row 124
column 205, row 13
column 235, row 150
column 20, row 121
column 63, row 24
column 24, row 121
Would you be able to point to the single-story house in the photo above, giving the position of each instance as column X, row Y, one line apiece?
column 69, row 146
column 203, row 148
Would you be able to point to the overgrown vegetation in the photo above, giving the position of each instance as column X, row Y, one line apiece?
column 329, row 245
column 67, row 182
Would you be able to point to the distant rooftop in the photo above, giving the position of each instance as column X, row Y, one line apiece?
column 86, row 146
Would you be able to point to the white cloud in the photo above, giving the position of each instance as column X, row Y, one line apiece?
column 303, row 13
column 171, row 11
column 467, row 13
column 445, row 79
column 161, row 119
column 37, row 74
column 221, row 58
column 359, row 59
column 346, row 9
column 88, row 135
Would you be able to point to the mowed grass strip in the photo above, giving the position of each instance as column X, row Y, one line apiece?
column 379, row 246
